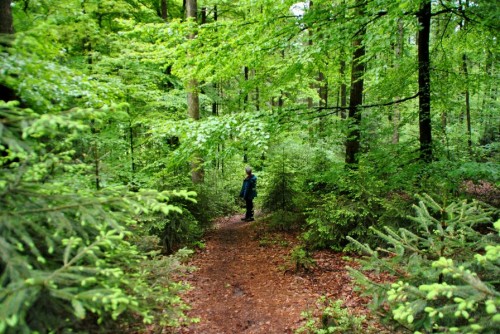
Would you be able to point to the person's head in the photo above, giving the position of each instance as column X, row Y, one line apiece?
column 248, row 170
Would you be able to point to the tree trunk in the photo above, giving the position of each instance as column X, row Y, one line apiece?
column 95, row 153
column 131, row 135
column 463, row 25
column 245, row 74
column 215, row 108
column 6, row 21
column 424, row 81
column 323, row 90
column 343, row 89
column 7, row 28
column 396, row 116
column 164, row 10
column 343, row 85
column 356, row 96
column 193, row 101
column 203, row 15
column 467, row 101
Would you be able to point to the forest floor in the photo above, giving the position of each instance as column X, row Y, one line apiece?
column 245, row 284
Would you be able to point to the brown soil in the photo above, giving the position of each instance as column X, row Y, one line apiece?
column 245, row 283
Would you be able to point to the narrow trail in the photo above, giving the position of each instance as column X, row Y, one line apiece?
column 241, row 285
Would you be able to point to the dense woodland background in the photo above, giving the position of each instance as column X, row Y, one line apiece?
column 125, row 127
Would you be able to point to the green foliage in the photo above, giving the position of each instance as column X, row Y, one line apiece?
column 105, row 84
column 358, row 201
column 174, row 230
column 334, row 319
column 281, row 220
column 67, row 252
column 445, row 272
column 301, row 259
column 282, row 192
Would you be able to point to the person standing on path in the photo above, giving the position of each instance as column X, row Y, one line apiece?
column 248, row 193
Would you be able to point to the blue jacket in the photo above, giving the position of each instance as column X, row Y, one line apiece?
column 249, row 188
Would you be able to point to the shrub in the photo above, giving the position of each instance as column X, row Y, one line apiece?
column 281, row 220
column 445, row 272
column 334, row 319
column 282, row 191
column 174, row 230
column 356, row 204
column 67, row 253
column 301, row 259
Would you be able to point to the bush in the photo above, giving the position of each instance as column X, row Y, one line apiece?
column 301, row 259
column 334, row 319
column 67, row 253
column 174, row 230
column 282, row 192
column 356, row 204
column 281, row 220
column 445, row 272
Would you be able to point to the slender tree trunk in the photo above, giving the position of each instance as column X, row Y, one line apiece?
column 131, row 135
column 6, row 28
column 310, row 102
column 396, row 116
column 164, row 10
column 343, row 89
column 356, row 96
column 467, row 101
column 203, row 15
column 215, row 110
column 424, row 81
column 488, row 98
column 95, row 153
column 245, row 73
column 343, row 85
column 323, row 90
column 193, row 101
column 467, row 90
column 257, row 97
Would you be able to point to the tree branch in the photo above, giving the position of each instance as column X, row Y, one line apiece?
column 335, row 109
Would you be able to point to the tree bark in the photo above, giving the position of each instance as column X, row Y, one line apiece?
column 467, row 101
column 193, row 101
column 343, row 85
column 424, row 81
column 6, row 28
column 343, row 89
column 396, row 116
column 465, row 68
column 245, row 73
column 6, row 21
column 131, row 142
column 203, row 15
column 164, row 10
column 356, row 96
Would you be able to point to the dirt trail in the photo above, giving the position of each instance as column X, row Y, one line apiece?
column 241, row 286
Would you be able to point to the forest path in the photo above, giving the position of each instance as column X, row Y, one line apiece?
column 241, row 287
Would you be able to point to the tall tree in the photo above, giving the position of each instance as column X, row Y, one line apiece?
column 193, row 100
column 396, row 115
column 424, row 81
column 465, row 69
column 356, row 95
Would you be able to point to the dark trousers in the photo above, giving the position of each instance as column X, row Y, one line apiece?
column 249, row 207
